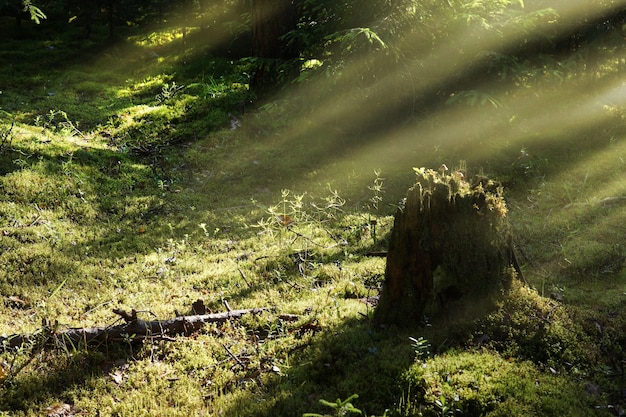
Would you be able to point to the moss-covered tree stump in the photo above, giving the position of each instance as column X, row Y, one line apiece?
column 450, row 253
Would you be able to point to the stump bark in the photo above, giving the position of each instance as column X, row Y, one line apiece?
column 450, row 253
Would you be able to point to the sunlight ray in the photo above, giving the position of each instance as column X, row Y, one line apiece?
column 444, row 63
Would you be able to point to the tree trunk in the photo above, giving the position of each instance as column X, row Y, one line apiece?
column 271, row 19
column 450, row 253
column 111, row 17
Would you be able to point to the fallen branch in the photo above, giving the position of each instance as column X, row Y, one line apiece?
column 133, row 329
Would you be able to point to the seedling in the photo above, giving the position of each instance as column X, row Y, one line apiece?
column 342, row 408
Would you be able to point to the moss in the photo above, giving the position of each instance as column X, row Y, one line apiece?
column 539, row 329
column 483, row 383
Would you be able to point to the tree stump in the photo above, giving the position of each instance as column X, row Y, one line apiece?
column 450, row 253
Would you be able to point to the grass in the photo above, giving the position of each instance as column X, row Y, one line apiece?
column 124, row 186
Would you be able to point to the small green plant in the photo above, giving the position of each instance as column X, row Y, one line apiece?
column 129, row 340
column 373, row 203
column 421, row 348
column 341, row 408
column 59, row 122
column 168, row 91
column 444, row 408
column 6, row 136
column 299, row 214
column 377, row 190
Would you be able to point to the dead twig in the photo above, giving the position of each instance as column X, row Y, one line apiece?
column 245, row 279
column 233, row 356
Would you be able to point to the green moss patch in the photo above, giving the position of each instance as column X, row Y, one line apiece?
column 483, row 383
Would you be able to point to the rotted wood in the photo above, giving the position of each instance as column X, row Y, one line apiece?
column 133, row 329
column 450, row 250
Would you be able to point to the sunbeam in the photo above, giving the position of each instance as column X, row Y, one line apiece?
column 550, row 103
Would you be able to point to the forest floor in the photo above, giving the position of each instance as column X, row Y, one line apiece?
column 141, row 175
